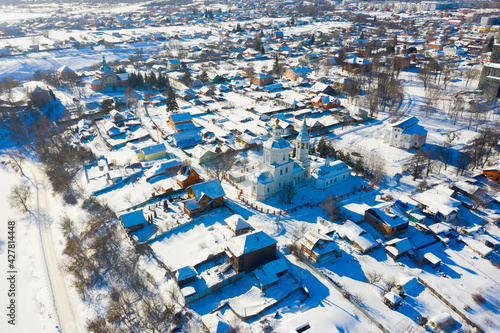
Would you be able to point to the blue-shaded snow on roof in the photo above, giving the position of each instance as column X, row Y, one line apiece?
column 132, row 219
column 250, row 242
column 213, row 189
column 180, row 117
column 154, row 149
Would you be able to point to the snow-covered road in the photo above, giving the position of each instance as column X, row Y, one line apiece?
column 64, row 306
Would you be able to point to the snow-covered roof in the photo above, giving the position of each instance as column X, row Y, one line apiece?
column 181, row 117
column 212, row 189
column 329, row 169
column 356, row 234
column 359, row 61
column 235, row 222
column 154, row 149
column 442, row 319
column 402, row 245
column 133, row 218
column 185, row 273
column 263, row 177
column 161, row 167
column 432, row 258
column 65, row 69
column 393, row 297
column 278, row 143
column 250, row 242
column 391, row 216
column 310, row 239
column 438, row 199
column 477, row 246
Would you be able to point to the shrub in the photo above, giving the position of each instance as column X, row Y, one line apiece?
column 478, row 298
column 422, row 321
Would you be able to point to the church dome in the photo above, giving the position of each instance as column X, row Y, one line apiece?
column 105, row 68
column 263, row 177
column 276, row 143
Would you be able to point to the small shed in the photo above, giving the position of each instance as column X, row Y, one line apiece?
column 185, row 275
column 432, row 260
column 392, row 300
column 237, row 224
column 134, row 220
column 442, row 321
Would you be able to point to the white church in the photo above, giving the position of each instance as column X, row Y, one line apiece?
column 278, row 169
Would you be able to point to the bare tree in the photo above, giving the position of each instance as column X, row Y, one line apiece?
column 16, row 158
column 19, row 197
column 249, row 71
column 351, row 88
column 463, row 162
column 431, row 99
column 470, row 75
column 415, row 164
column 375, row 167
column 444, row 152
column 449, row 74
column 429, row 155
column 425, row 75
column 483, row 146
column 457, row 108
column 331, row 209
column 389, row 283
column 288, row 193
column 219, row 166
column 373, row 277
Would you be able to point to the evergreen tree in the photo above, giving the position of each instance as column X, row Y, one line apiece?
column 322, row 148
column 153, row 82
column 171, row 100
column 358, row 167
column 186, row 79
column 203, row 77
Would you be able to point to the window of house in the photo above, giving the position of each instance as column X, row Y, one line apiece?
column 283, row 157
column 396, row 136
column 268, row 190
column 281, row 172
column 286, row 170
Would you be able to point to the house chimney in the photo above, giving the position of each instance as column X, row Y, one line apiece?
column 387, row 209
column 257, row 236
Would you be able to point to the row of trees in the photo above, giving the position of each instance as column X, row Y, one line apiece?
column 475, row 154
column 137, row 80
column 105, row 267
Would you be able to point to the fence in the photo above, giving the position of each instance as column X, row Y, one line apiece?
column 292, row 209
column 451, row 306
column 156, row 199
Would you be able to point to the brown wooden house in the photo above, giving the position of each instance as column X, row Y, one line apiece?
column 319, row 247
column 203, row 197
column 493, row 174
column 187, row 176
column 181, row 121
column 249, row 251
column 262, row 79
column 388, row 220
